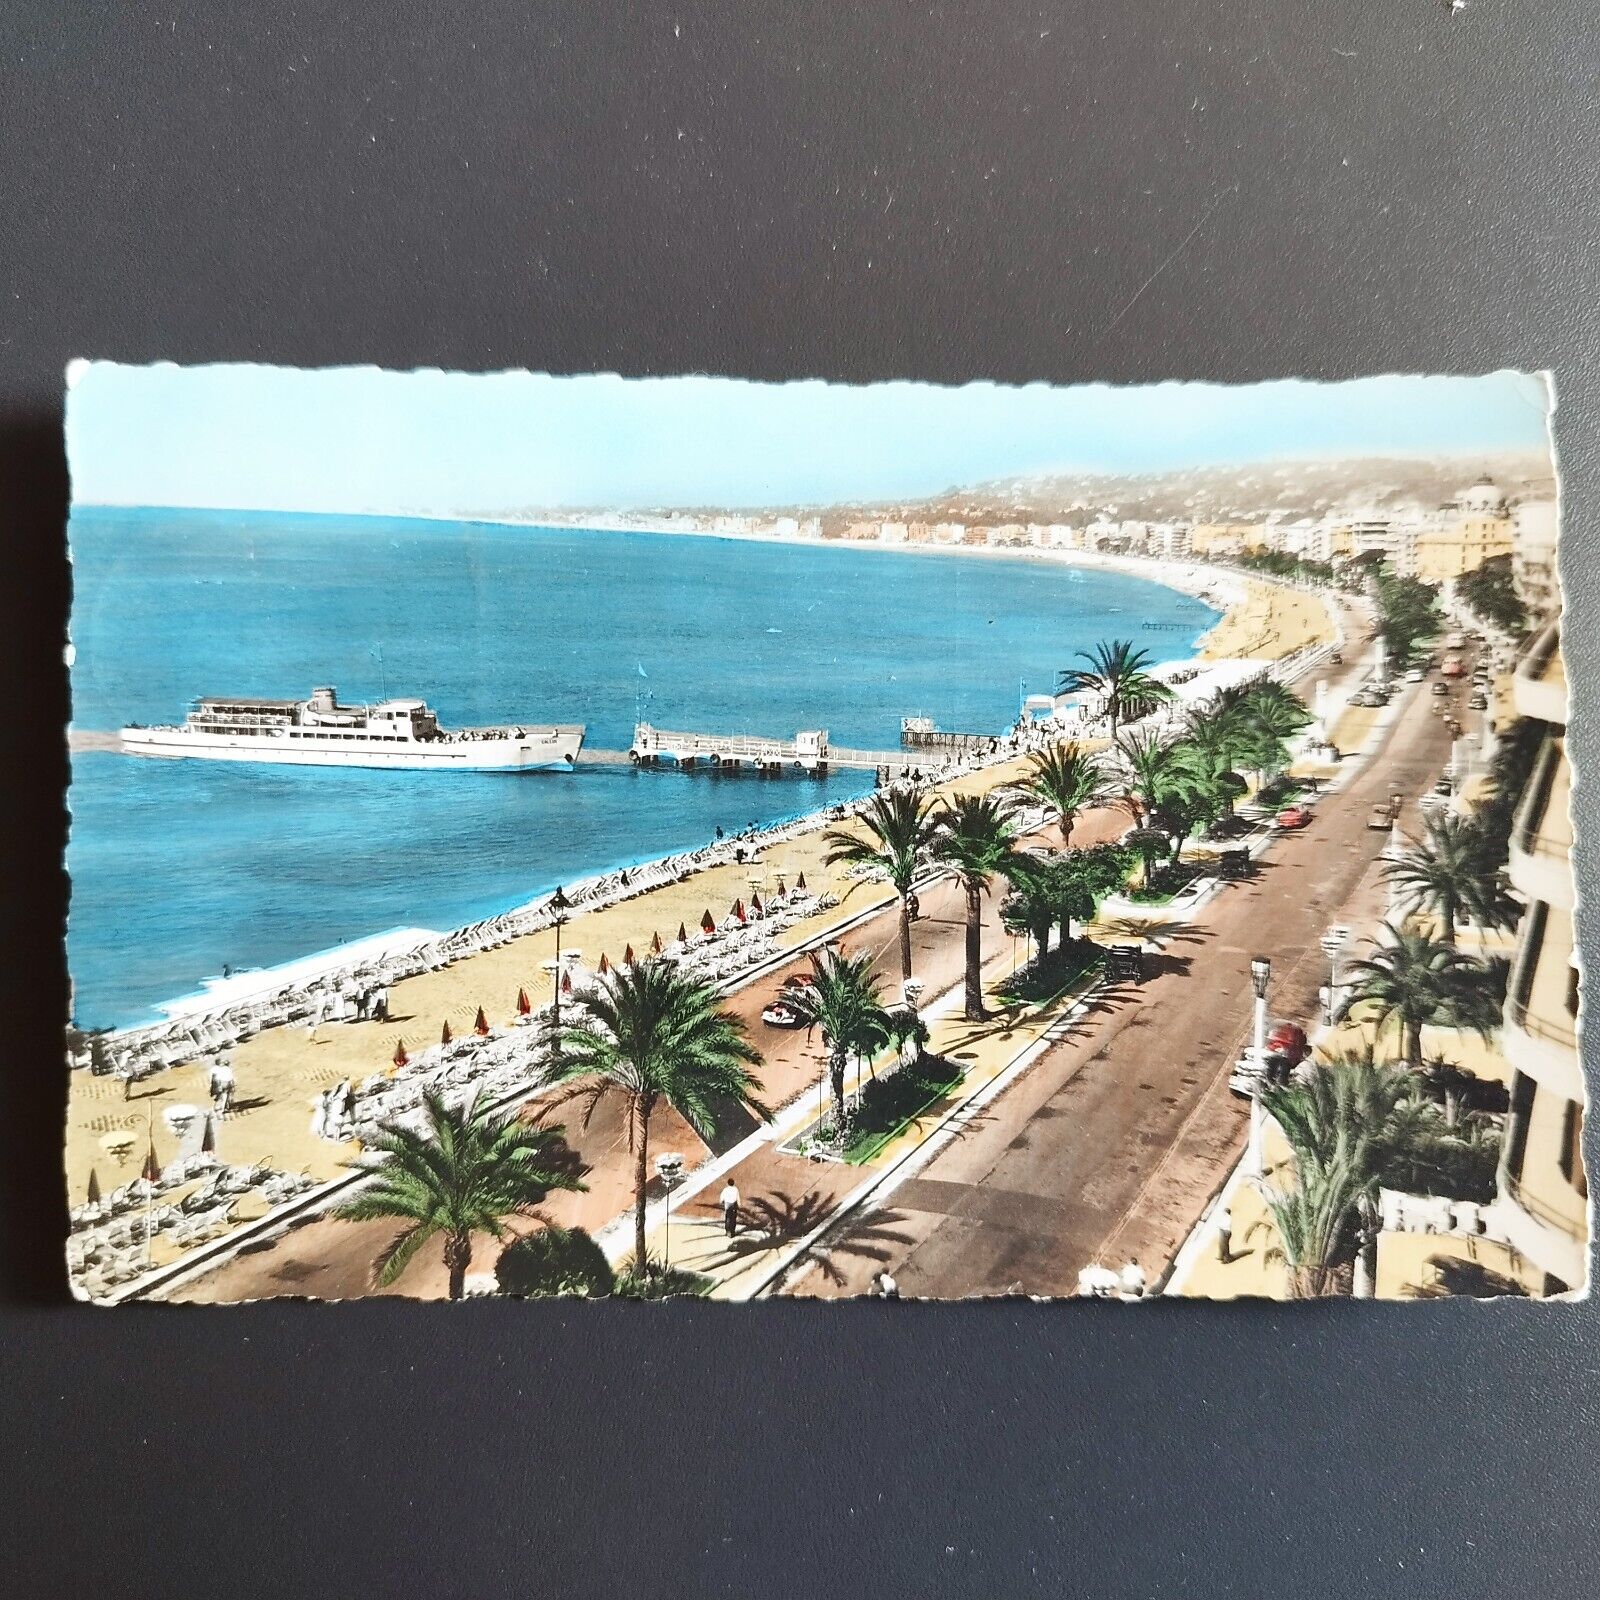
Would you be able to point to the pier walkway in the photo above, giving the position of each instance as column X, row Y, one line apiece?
column 809, row 751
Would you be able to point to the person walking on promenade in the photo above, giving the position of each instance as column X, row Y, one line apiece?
column 220, row 1082
column 729, row 1201
column 887, row 1288
column 1224, row 1236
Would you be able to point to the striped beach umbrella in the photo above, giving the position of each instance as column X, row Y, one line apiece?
column 480, row 1024
column 524, row 1004
column 445, row 1035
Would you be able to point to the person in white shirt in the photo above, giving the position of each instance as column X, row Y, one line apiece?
column 729, row 1201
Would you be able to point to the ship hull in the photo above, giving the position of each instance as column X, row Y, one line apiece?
column 538, row 750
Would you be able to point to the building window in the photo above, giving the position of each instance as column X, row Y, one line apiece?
column 1522, row 1091
column 1572, row 1148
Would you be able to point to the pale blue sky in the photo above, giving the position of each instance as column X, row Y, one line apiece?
column 357, row 439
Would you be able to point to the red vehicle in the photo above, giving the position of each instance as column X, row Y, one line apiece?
column 1294, row 817
column 1454, row 667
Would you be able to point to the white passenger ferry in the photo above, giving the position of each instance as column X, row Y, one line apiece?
column 320, row 732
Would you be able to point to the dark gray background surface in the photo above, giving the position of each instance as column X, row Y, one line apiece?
column 1125, row 190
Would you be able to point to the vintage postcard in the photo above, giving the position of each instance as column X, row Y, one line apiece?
column 642, row 838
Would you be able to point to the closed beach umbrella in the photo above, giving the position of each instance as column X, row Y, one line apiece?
column 92, row 1195
column 524, row 1005
column 152, row 1167
column 444, row 1033
column 655, row 944
column 738, row 910
column 480, row 1024
column 208, row 1138
column 755, row 902
column 400, row 1056
column 683, row 934
column 800, row 882
column 566, row 982
column 627, row 956
column 708, row 923
column 605, row 966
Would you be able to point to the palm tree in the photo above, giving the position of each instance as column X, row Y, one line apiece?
column 1067, row 779
column 843, row 1001
column 975, row 838
column 1358, row 1125
column 899, row 833
column 651, row 1034
column 1451, row 872
column 1313, row 1221
column 1120, row 675
column 463, row 1176
column 1420, row 981
column 1149, row 767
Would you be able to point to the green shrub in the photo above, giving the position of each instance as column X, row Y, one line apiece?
column 554, row 1261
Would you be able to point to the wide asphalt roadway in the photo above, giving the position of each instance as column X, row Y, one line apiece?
column 1059, row 1168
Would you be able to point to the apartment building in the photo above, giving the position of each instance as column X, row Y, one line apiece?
column 1543, row 1206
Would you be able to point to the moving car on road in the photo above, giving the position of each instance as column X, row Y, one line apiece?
column 1294, row 817
column 1382, row 817
column 781, row 1015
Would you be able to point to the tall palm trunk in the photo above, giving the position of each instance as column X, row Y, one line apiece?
column 1413, row 1044
column 905, row 937
column 1447, row 924
column 837, row 1059
column 457, row 1258
column 974, row 995
column 641, row 1178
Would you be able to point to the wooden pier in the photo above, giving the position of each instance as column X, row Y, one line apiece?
column 809, row 751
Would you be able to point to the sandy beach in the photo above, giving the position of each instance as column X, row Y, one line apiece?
column 281, row 1070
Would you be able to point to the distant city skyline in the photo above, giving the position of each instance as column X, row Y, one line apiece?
column 428, row 443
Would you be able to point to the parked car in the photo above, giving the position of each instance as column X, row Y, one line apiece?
column 1415, row 675
column 1441, row 688
column 1233, row 864
column 780, row 1015
column 1125, row 962
column 1294, row 817
column 1445, row 786
column 1478, row 702
column 1382, row 817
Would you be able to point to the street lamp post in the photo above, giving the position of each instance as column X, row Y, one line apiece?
column 1260, row 977
column 1333, row 943
column 559, row 907
column 669, row 1168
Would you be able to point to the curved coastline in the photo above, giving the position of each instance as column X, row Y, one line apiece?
column 627, row 878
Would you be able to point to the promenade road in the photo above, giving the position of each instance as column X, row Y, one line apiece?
column 1059, row 1168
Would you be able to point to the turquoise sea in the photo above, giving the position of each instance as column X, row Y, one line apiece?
column 180, row 867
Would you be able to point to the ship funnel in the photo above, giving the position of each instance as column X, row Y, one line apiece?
column 323, row 699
